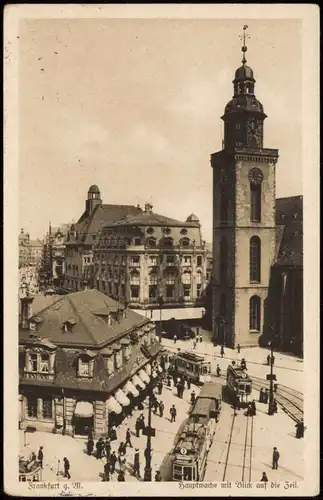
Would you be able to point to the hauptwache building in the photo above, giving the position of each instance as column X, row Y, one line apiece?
column 80, row 364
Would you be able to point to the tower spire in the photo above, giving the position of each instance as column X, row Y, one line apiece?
column 244, row 48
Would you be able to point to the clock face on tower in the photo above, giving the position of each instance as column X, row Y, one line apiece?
column 255, row 176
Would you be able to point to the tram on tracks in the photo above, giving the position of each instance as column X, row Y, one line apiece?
column 190, row 365
column 238, row 385
column 189, row 456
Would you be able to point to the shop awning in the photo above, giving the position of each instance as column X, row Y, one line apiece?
column 122, row 398
column 113, row 406
column 179, row 313
column 143, row 375
column 137, row 381
column 129, row 387
column 83, row 409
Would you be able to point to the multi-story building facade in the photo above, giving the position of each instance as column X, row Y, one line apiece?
column 36, row 250
column 245, row 229
column 81, row 367
column 23, row 246
column 82, row 236
column 147, row 256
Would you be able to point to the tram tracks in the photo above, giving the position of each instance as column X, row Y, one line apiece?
column 247, row 445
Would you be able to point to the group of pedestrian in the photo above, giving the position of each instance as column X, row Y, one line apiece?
column 140, row 424
column 180, row 388
column 263, row 395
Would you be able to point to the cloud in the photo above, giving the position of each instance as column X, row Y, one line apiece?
column 200, row 97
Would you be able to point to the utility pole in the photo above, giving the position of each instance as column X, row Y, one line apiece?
column 271, row 378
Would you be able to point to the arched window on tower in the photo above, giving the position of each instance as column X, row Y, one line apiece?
column 255, row 202
column 255, row 259
column 254, row 313
column 223, row 259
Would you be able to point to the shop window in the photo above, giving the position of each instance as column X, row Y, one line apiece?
column 32, row 406
column 48, row 408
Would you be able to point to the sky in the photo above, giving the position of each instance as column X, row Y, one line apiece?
column 134, row 106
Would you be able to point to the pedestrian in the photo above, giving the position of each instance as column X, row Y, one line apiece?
column 253, row 408
column 122, row 450
column 107, row 446
column 189, row 382
column 113, row 433
column 122, row 462
column 169, row 381
column 66, row 468
column 113, row 461
column 173, row 414
column 128, row 438
column 40, row 457
column 222, row 351
column 160, row 387
column 194, row 344
column 106, row 473
column 300, row 429
column 175, row 338
column 136, row 463
column 275, row 458
column 268, row 359
column 261, row 395
column 238, row 348
column 218, row 371
column 99, row 449
column 121, row 476
column 264, row 477
column 138, row 427
column 90, row 446
column 266, row 396
column 193, row 398
column 201, row 338
column 158, row 476
column 161, row 409
column 243, row 364
column 275, row 406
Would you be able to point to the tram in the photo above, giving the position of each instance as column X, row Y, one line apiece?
column 192, row 366
column 189, row 456
column 239, row 385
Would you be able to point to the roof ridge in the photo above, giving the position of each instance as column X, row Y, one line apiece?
column 80, row 317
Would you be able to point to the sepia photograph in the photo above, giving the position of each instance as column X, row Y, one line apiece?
column 161, row 197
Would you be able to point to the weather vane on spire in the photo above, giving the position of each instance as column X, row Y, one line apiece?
column 244, row 37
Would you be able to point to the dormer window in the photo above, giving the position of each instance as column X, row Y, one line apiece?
column 86, row 364
column 84, row 367
column 44, row 363
column 69, row 324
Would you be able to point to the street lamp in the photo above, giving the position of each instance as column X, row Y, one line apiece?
column 149, row 431
column 271, row 377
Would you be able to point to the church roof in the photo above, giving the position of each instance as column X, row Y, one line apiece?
column 289, row 235
column 90, row 329
column 244, row 73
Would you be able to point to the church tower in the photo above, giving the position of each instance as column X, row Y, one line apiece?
column 93, row 199
column 244, row 231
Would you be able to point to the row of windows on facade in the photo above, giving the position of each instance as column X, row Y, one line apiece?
column 40, row 408
column 149, row 242
column 154, row 260
column 254, row 311
column 43, row 363
column 153, row 290
column 255, row 203
column 254, row 259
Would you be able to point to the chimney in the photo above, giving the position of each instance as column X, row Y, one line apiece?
column 26, row 310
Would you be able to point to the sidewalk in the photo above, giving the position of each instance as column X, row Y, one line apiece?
column 89, row 468
column 288, row 369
